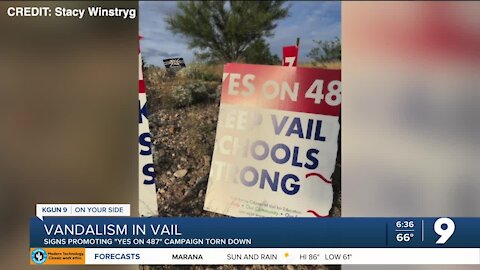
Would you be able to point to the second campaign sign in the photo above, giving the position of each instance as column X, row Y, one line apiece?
column 276, row 142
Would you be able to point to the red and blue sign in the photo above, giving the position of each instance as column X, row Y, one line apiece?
column 276, row 142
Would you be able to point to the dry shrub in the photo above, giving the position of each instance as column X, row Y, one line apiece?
column 325, row 65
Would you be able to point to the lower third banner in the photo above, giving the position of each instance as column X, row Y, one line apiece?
column 122, row 240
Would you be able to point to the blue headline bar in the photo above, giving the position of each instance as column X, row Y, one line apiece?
column 126, row 232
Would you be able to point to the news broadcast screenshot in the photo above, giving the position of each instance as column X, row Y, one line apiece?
column 240, row 135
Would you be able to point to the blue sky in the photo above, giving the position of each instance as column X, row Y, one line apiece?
column 309, row 20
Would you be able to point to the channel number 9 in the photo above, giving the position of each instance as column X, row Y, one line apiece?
column 445, row 228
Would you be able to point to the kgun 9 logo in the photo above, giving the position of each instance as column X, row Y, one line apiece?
column 445, row 228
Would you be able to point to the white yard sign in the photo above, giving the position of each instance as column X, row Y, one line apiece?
column 147, row 191
column 276, row 142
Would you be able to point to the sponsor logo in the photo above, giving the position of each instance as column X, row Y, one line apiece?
column 39, row 256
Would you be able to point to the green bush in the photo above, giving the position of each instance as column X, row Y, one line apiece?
column 198, row 71
column 193, row 93
column 327, row 51
column 182, row 96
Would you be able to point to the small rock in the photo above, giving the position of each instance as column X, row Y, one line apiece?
column 207, row 160
column 180, row 173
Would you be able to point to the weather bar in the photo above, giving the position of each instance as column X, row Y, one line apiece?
column 271, row 256
column 128, row 240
